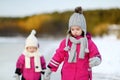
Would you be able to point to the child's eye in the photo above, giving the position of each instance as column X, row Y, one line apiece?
column 72, row 29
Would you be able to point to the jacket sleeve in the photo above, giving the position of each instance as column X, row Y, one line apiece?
column 43, row 62
column 19, row 65
column 58, row 57
column 94, row 52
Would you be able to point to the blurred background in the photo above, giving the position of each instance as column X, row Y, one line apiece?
column 50, row 19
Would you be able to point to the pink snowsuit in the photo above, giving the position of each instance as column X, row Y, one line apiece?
column 78, row 70
column 29, row 74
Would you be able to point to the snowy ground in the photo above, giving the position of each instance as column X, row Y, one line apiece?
column 109, row 47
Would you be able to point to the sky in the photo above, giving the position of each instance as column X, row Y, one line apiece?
column 21, row 8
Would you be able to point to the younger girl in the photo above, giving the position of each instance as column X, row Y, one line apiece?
column 30, row 63
column 77, row 52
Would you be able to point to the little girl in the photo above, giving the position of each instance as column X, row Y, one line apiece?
column 30, row 63
column 77, row 52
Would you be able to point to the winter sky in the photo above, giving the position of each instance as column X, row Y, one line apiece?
column 17, row 8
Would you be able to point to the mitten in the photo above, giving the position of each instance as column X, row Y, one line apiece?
column 42, row 72
column 47, row 74
column 17, row 77
column 95, row 61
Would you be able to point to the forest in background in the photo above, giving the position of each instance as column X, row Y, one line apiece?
column 56, row 23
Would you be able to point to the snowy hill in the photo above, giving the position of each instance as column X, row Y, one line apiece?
column 109, row 47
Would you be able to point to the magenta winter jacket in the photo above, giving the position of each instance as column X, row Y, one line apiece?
column 29, row 74
column 74, row 71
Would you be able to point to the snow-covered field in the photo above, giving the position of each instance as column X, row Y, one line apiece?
column 109, row 47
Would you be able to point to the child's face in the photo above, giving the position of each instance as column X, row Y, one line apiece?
column 31, row 49
column 76, row 31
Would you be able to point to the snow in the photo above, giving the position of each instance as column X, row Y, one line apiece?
column 109, row 49
column 11, row 48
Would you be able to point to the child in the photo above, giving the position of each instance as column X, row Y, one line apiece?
column 30, row 63
column 77, row 52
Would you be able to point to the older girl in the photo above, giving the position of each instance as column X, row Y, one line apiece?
column 77, row 52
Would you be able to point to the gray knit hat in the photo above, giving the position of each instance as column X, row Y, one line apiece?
column 78, row 19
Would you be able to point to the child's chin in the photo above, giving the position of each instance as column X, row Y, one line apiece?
column 76, row 35
column 32, row 52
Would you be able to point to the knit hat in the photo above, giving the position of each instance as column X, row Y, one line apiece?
column 77, row 19
column 32, row 40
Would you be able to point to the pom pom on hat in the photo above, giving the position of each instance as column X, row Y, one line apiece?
column 31, row 40
column 33, row 32
column 78, row 10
